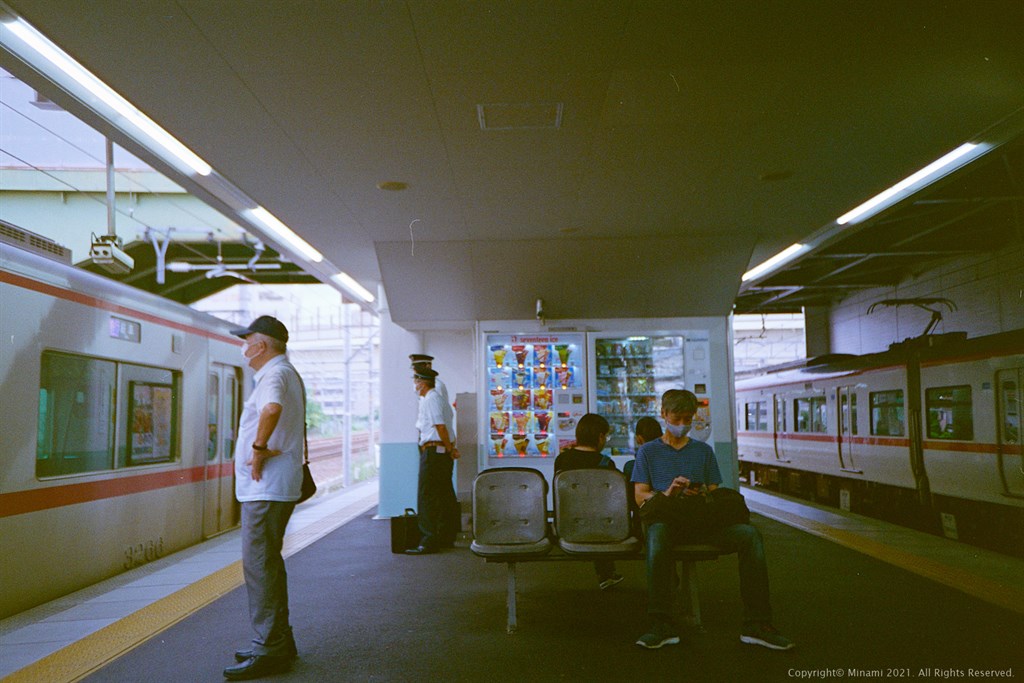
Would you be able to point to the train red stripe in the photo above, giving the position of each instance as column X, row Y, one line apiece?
column 33, row 500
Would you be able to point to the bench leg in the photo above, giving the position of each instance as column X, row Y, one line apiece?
column 511, row 626
column 690, row 590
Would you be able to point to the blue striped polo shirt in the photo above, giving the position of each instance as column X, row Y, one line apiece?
column 657, row 464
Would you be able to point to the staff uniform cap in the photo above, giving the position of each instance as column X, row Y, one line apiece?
column 420, row 358
column 265, row 324
column 424, row 372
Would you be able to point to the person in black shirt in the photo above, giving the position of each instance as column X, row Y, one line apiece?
column 591, row 436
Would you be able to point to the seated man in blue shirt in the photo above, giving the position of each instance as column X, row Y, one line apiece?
column 676, row 465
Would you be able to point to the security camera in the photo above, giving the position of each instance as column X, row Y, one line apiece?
column 540, row 310
column 106, row 253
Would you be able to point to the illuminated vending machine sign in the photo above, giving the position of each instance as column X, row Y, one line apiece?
column 535, row 393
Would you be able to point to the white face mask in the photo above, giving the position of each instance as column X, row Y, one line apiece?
column 677, row 431
column 245, row 351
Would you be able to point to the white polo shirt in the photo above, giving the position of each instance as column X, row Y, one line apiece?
column 442, row 389
column 276, row 382
column 433, row 411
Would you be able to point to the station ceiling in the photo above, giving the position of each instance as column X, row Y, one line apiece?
column 620, row 159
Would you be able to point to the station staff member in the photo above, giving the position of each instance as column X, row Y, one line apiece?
column 268, row 479
column 435, row 495
column 421, row 360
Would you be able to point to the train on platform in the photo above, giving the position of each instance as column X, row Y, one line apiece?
column 118, row 422
column 926, row 434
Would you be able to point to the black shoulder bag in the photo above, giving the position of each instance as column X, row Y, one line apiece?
column 308, row 485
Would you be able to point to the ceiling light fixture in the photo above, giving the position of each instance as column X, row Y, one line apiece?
column 784, row 256
column 933, row 171
column 349, row 284
column 186, row 267
column 269, row 221
column 26, row 43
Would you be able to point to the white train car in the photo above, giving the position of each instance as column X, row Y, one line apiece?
column 119, row 414
column 927, row 434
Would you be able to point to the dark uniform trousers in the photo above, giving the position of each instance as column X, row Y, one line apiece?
column 436, row 505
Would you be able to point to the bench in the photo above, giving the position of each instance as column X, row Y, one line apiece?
column 591, row 519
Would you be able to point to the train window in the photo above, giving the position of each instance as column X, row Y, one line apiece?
column 149, row 413
column 212, row 415
column 75, row 430
column 780, row 414
column 232, row 411
column 1010, row 409
column 887, row 417
column 811, row 415
column 950, row 413
column 848, row 412
column 757, row 417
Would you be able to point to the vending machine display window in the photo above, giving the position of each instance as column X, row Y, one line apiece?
column 632, row 372
column 535, row 393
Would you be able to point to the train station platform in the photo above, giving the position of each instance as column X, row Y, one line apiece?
column 861, row 598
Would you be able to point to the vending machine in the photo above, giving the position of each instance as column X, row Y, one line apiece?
column 631, row 370
column 536, row 385
column 535, row 393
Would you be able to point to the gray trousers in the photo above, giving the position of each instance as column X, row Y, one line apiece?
column 263, row 525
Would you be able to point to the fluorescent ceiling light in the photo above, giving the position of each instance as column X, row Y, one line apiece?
column 52, row 62
column 879, row 202
column 186, row 267
column 269, row 221
column 349, row 283
column 784, row 256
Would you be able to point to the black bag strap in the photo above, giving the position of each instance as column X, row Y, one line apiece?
column 305, row 441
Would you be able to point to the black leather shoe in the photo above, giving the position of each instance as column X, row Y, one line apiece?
column 242, row 655
column 257, row 666
column 419, row 550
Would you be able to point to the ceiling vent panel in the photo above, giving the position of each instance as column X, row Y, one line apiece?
column 19, row 237
column 520, row 116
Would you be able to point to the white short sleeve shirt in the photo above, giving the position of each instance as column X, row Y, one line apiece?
column 433, row 411
column 276, row 382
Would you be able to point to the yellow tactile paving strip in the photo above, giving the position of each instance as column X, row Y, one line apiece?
column 990, row 591
column 81, row 658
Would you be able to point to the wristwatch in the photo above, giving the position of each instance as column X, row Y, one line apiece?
column 256, row 447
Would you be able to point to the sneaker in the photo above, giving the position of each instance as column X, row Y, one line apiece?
column 765, row 635
column 612, row 580
column 662, row 633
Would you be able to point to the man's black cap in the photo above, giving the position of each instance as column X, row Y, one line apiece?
column 420, row 358
column 265, row 324
column 423, row 372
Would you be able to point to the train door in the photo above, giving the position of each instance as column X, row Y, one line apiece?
column 1009, row 399
column 779, row 434
column 220, row 509
column 847, row 406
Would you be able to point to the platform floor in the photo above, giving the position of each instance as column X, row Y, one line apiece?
column 861, row 598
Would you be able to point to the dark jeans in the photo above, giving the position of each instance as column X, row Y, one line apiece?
column 743, row 539
column 266, row 581
column 436, row 505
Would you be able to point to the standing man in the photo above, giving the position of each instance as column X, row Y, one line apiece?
column 268, row 479
column 675, row 465
column 435, row 495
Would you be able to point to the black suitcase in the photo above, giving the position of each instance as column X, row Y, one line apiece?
column 405, row 532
